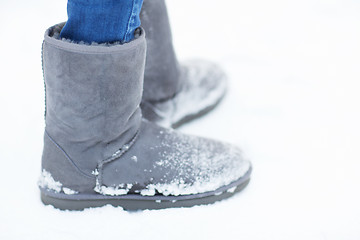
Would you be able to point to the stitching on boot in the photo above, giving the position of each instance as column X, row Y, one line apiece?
column 98, row 172
column 68, row 158
column 43, row 72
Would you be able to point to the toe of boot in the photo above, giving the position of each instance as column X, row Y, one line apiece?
column 169, row 163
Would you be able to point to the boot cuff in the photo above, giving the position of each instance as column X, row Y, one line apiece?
column 52, row 37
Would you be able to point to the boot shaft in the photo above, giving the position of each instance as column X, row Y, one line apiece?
column 92, row 96
column 162, row 71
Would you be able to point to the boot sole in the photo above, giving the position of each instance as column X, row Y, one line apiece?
column 132, row 202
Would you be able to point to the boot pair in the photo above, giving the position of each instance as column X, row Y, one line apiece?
column 99, row 148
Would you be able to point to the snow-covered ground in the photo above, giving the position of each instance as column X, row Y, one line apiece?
column 293, row 106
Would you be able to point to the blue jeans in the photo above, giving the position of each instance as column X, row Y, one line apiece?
column 102, row 21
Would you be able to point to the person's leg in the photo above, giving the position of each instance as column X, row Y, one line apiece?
column 102, row 20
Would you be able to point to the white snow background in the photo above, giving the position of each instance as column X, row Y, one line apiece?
column 292, row 105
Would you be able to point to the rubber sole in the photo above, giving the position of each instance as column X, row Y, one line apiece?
column 136, row 204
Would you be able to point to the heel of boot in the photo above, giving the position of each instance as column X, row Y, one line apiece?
column 60, row 174
column 63, row 204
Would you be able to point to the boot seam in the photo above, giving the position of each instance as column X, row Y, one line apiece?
column 118, row 154
column 43, row 73
column 68, row 157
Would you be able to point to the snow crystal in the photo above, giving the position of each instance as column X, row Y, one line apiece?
column 177, row 189
column 69, row 191
column 150, row 191
column 121, row 189
column 231, row 190
column 95, row 172
column 113, row 191
column 134, row 158
column 46, row 181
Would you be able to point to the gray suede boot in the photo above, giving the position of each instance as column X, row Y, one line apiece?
column 97, row 148
column 174, row 93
